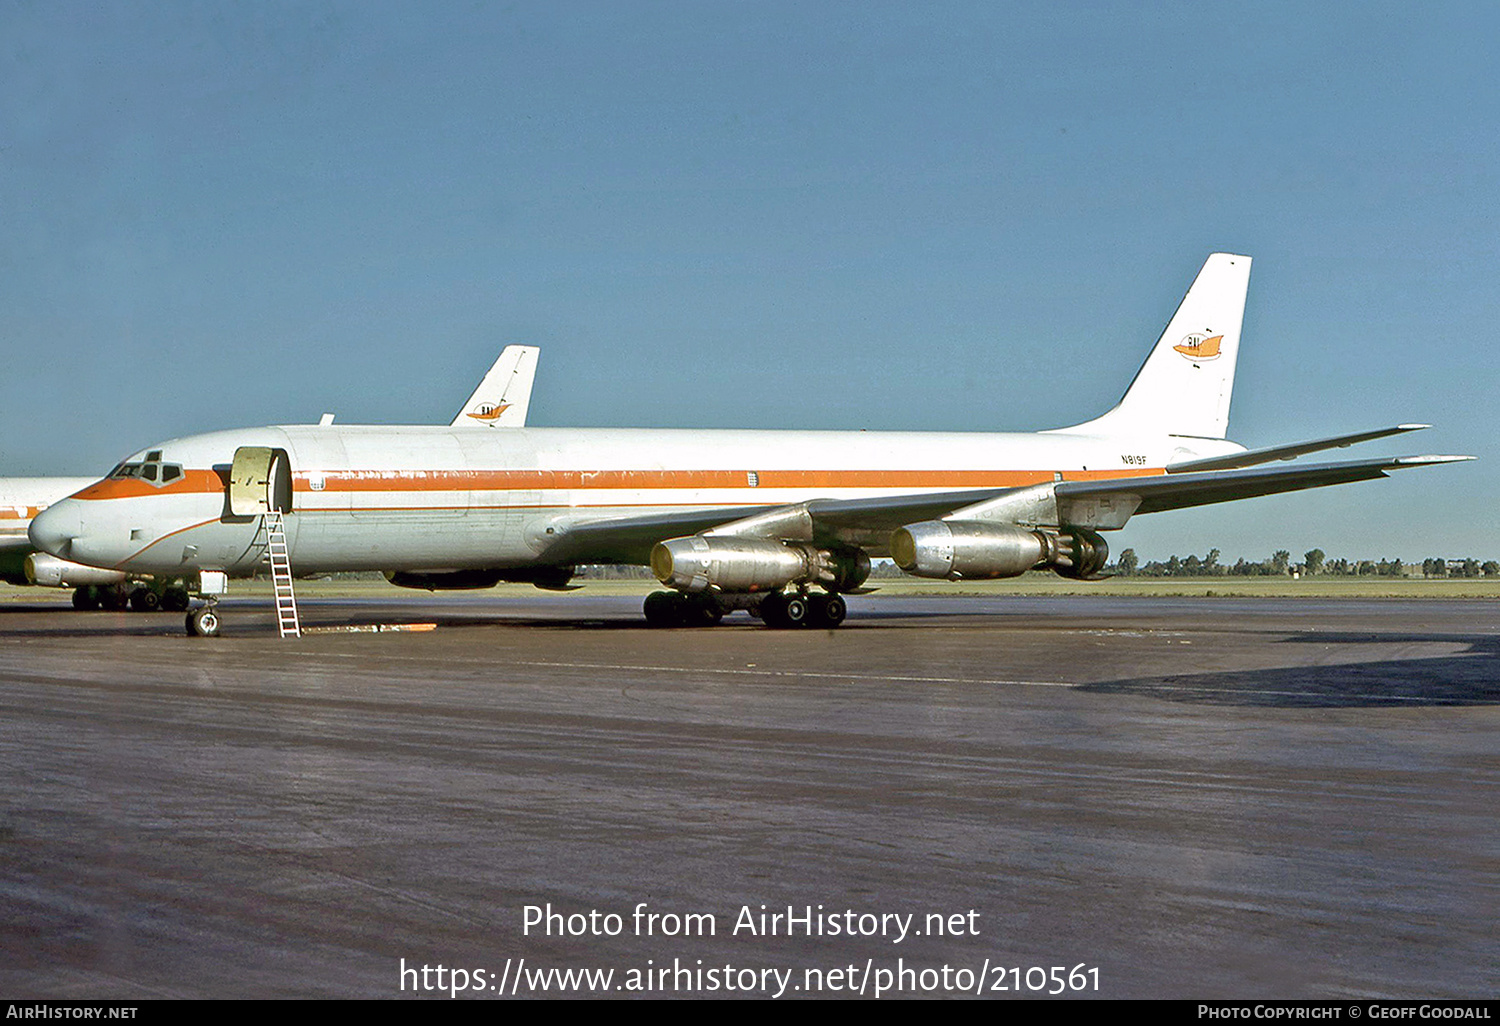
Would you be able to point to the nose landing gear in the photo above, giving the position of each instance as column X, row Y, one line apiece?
column 203, row 622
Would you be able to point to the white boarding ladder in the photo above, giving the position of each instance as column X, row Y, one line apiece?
column 281, row 576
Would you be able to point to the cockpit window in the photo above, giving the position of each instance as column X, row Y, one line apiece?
column 153, row 470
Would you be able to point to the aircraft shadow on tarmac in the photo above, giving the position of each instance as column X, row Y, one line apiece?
column 1464, row 679
column 252, row 619
column 1467, row 678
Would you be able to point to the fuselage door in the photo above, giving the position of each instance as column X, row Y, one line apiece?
column 260, row 480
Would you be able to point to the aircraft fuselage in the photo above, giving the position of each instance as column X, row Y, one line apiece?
column 424, row 498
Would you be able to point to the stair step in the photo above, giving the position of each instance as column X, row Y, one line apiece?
column 277, row 556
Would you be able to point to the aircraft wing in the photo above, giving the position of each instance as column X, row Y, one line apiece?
column 504, row 394
column 629, row 539
column 1179, row 491
column 867, row 522
column 1252, row 457
column 15, row 538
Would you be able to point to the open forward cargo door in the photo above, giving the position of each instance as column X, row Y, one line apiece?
column 260, row 481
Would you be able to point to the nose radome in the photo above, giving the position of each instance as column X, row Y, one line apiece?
column 54, row 528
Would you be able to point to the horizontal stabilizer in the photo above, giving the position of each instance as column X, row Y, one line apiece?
column 1252, row 457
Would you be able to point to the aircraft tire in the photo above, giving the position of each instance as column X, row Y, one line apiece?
column 784, row 612
column 203, row 623
column 826, row 611
column 144, row 600
column 85, row 598
column 174, row 599
column 112, row 598
column 700, row 611
column 663, row 609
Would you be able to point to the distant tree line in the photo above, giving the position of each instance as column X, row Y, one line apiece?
column 1315, row 563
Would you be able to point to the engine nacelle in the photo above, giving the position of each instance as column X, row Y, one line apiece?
column 969, row 550
column 738, row 564
column 849, row 569
column 972, row 549
column 1082, row 554
column 50, row 572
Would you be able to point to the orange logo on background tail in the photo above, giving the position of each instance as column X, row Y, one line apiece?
column 490, row 411
column 1196, row 347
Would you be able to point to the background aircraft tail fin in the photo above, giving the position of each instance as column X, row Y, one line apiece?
column 1184, row 386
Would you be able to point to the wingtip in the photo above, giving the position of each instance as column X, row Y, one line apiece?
column 1429, row 460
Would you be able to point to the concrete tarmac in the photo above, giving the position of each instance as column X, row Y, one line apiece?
column 1206, row 799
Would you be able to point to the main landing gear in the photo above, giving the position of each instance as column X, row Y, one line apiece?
column 782, row 610
column 143, row 598
column 674, row 609
column 793, row 609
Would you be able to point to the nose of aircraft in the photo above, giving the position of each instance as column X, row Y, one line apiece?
column 54, row 528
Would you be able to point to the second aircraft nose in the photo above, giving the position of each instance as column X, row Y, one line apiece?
column 54, row 528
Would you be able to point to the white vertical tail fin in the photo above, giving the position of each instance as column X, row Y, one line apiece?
column 1185, row 384
column 503, row 396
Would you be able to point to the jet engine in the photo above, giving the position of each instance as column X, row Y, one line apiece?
column 50, row 572
column 736, row 564
column 968, row 550
column 1082, row 554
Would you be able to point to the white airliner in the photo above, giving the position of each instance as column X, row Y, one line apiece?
column 21, row 499
column 500, row 401
column 782, row 523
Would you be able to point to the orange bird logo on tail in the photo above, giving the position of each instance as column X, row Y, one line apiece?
column 489, row 411
column 1198, row 347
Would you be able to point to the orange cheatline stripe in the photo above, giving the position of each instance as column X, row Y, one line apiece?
column 132, row 487
column 583, row 480
column 586, row 480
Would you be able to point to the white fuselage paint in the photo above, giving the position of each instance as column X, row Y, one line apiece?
column 438, row 498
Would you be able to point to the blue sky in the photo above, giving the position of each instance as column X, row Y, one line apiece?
column 835, row 215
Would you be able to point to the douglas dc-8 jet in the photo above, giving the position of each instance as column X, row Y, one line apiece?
column 782, row 523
